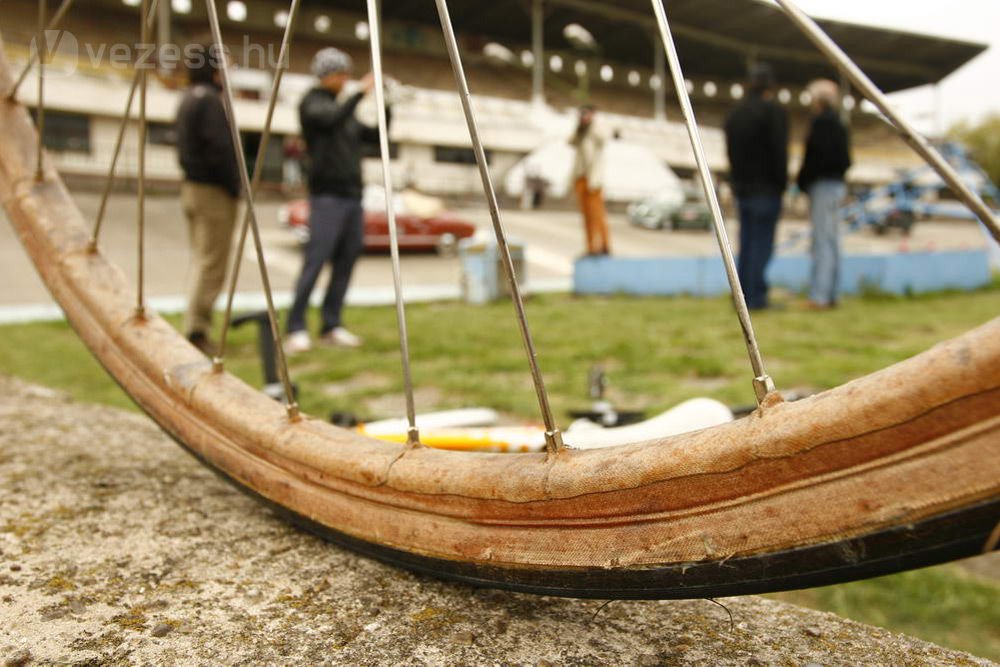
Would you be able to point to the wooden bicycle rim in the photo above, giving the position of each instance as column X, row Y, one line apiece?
column 898, row 469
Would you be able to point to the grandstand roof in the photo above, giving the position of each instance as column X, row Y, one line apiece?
column 714, row 38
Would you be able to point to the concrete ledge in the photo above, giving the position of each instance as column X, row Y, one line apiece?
column 118, row 548
column 896, row 273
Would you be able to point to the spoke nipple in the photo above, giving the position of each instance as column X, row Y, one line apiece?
column 92, row 247
column 763, row 386
column 140, row 314
column 218, row 364
column 554, row 441
column 413, row 437
column 293, row 412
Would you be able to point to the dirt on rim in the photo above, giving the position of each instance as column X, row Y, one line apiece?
column 117, row 547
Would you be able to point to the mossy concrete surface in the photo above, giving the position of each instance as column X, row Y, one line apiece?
column 116, row 547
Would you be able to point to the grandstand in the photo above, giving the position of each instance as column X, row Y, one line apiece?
column 521, row 99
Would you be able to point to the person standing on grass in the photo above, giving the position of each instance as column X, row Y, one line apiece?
column 210, row 189
column 757, row 144
column 333, row 139
column 827, row 159
column 588, row 178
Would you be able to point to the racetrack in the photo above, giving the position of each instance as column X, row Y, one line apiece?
column 553, row 239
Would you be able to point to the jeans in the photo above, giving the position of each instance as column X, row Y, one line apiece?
column 758, row 220
column 825, row 198
column 336, row 235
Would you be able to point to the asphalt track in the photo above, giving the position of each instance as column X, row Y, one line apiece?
column 552, row 240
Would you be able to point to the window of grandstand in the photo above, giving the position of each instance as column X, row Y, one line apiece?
column 132, row 3
column 527, row 58
column 362, row 31
column 607, row 73
column 556, row 63
column 66, row 132
column 655, row 82
column 784, row 96
column 849, row 103
column 634, row 78
column 805, row 99
column 181, row 6
column 736, row 91
column 371, row 149
column 322, row 23
column 458, row 155
column 161, row 134
column 281, row 18
column 710, row 89
column 273, row 159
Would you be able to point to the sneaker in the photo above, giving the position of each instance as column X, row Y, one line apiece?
column 340, row 337
column 297, row 341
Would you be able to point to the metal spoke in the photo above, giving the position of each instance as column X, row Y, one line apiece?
column 109, row 182
column 118, row 149
column 916, row 140
column 258, row 170
column 140, row 306
column 413, row 435
column 32, row 57
column 553, row 438
column 227, row 100
column 762, row 382
column 40, row 49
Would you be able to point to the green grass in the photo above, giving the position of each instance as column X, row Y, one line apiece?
column 657, row 352
column 945, row 605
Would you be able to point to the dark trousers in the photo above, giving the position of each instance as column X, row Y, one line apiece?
column 336, row 235
column 758, row 220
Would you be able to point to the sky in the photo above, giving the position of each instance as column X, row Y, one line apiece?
column 969, row 93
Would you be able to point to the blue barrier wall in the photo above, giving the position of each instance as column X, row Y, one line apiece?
column 898, row 273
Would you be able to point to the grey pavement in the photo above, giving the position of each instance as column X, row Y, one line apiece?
column 552, row 239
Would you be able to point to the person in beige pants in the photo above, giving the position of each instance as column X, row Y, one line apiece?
column 211, row 216
column 209, row 193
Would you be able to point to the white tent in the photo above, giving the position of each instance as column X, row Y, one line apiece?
column 631, row 172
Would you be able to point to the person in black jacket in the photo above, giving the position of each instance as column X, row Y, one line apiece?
column 757, row 144
column 210, row 190
column 826, row 161
column 333, row 139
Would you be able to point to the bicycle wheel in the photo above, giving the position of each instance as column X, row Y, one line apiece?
column 895, row 470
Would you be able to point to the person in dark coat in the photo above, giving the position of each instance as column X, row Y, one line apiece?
column 757, row 145
column 210, row 189
column 333, row 138
column 826, row 161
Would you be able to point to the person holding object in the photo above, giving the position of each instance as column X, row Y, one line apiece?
column 757, row 144
column 588, row 177
column 333, row 138
column 826, row 160
column 210, row 189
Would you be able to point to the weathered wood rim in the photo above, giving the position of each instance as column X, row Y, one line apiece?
column 901, row 459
